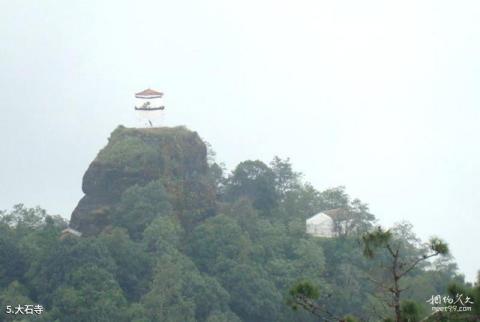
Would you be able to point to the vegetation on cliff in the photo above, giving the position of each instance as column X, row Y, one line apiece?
column 169, row 236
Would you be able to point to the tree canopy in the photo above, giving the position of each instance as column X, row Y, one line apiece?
column 164, row 257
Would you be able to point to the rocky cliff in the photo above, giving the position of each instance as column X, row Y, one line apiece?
column 176, row 156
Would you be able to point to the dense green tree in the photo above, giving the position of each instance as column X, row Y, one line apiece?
column 163, row 235
column 223, row 317
column 12, row 262
column 253, row 296
column 132, row 265
column 216, row 173
column 90, row 294
column 216, row 240
column 410, row 311
column 64, row 259
column 166, row 301
column 345, row 288
column 27, row 235
column 254, row 180
column 286, row 179
column 335, row 198
column 136, row 313
column 13, row 295
column 179, row 292
column 140, row 205
column 23, row 219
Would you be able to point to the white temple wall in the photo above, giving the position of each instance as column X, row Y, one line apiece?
column 320, row 225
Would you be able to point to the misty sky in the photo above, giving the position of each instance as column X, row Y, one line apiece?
column 380, row 96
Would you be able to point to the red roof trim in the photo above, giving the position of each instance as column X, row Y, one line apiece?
column 149, row 92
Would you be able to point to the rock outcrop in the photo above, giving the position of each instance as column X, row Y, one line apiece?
column 176, row 156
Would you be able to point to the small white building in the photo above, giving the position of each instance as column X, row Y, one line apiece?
column 322, row 224
column 70, row 232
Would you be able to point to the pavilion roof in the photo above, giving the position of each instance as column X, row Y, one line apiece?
column 149, row 92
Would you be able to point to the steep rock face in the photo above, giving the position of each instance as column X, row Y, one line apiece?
column 176, row 156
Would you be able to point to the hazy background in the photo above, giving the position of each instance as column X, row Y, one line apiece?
column 378, row 96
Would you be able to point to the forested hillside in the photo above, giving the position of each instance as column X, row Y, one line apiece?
column 169, row 235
